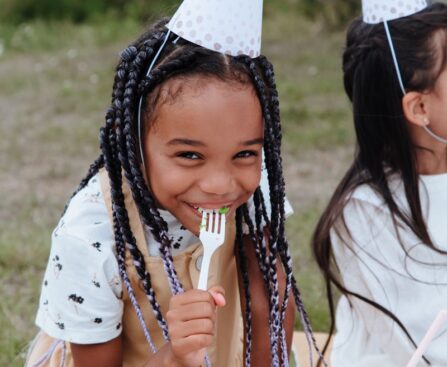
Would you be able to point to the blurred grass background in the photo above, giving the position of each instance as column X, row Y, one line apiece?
column 57, row 64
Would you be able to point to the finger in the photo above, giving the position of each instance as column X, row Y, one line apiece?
column 188, row 297
column 196, row 310
column 218, row 294
column 193, row 327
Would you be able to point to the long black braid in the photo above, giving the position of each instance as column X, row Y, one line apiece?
column 269, row 76
column 245, row 282
column 120, row 157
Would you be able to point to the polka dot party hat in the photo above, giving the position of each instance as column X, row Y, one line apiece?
column 231, row 27
column 378, row 11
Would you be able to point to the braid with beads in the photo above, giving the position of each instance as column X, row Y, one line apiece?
column 120, row 157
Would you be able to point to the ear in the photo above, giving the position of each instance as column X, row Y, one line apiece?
column 414, row 105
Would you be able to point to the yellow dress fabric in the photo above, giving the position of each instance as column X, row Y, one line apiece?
column 227, row 349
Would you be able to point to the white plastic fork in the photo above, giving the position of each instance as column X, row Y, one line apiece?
column 212, row 235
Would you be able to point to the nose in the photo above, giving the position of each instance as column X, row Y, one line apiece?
column 217, row 181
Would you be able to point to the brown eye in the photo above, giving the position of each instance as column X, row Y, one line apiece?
column 247, row 154
column 189, row 155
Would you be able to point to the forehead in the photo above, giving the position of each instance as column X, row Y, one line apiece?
column 207, row 103
column 180, row 87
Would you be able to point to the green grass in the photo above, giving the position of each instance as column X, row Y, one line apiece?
column 56, row 82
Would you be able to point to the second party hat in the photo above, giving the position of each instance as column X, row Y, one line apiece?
column 377, row 11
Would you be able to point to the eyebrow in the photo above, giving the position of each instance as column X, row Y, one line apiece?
column 183, row 141
column 197, row 143
column 254, row 142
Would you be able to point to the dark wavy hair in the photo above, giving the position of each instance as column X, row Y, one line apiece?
column 384, row 146
column 120, row 156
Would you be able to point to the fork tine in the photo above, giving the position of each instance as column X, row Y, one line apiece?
column 203, row 223
column 215, row 222
column 222, row 223
column 209, row 228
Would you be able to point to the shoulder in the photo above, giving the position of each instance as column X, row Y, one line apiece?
column 366, row 194
column 362, row 216
column 87, row 205
column 367, row 199
column 363, row 207
column 84, row 235
column 86, row 217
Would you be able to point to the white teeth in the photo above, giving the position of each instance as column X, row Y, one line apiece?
column 200, row 210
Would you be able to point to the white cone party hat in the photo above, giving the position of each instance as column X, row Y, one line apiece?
column 377, row 11
column 233, row 27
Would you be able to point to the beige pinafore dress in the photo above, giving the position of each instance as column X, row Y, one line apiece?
column 227, row 349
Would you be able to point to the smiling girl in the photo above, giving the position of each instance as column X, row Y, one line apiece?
column 125, row 257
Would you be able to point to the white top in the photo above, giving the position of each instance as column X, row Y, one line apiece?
column 375, row 265
column 81, row 293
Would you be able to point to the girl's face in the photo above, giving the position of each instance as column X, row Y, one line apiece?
column 204, row 147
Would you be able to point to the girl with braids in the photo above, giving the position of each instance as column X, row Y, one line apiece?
column 120, row 291
column 382, row 241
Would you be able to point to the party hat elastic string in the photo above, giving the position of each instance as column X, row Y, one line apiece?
column 140, row 104
column 393, row 54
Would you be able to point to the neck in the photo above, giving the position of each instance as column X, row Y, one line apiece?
column 431, row 154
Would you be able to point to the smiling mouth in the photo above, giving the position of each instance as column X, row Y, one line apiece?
column 199, row 210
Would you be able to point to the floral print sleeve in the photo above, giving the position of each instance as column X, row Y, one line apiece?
column 81, row 298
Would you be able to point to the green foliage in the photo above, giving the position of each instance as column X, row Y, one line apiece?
column 144, row 10
column 75, row 10
column 38, row 36
column 78, row 11
column 334, row 13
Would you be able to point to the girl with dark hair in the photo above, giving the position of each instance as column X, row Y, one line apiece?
column 188, row 134
column 382, row 241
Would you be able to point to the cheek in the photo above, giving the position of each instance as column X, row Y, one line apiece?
column 251, row 180
column 168, row 180
column 163, row 181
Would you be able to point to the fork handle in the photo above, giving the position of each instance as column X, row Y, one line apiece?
column 203, row 278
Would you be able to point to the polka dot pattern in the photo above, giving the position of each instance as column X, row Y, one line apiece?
column 233, row 27
column 377, row 11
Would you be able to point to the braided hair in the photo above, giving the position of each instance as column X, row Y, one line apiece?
column 120, row 157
